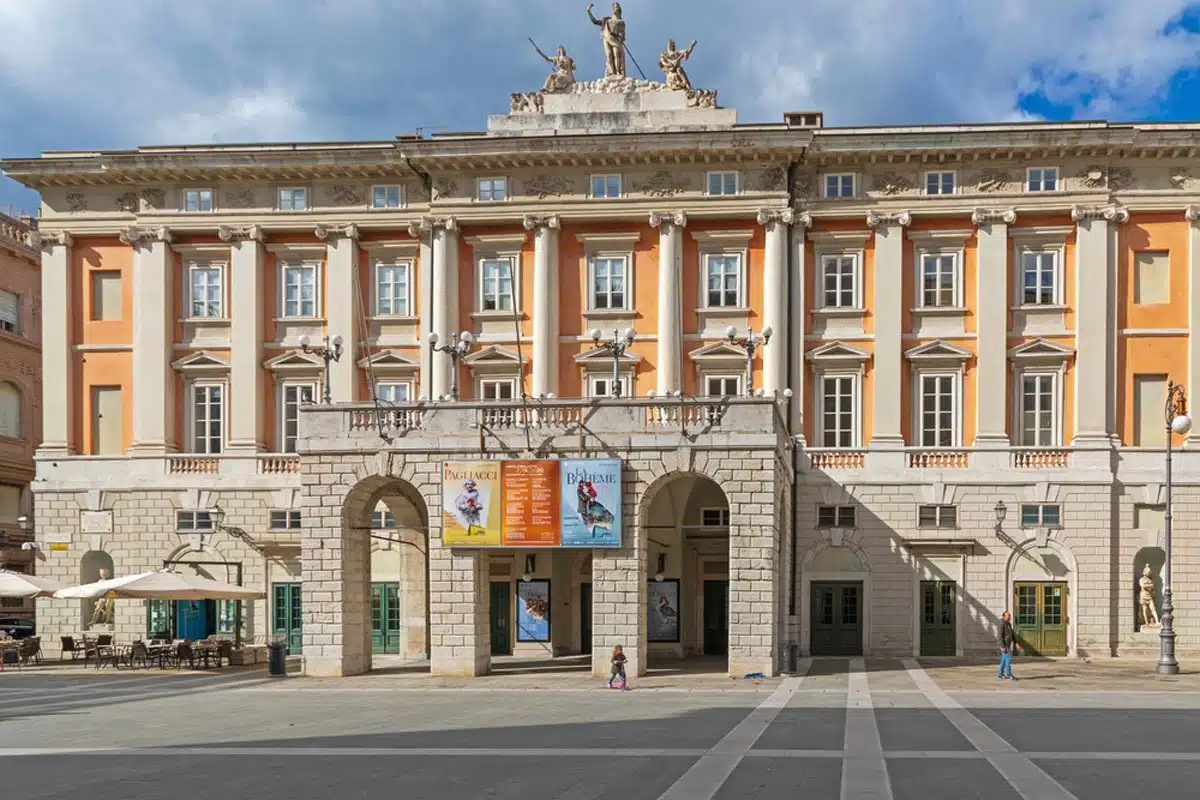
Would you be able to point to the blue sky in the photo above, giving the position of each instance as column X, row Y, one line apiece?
column 82, row 74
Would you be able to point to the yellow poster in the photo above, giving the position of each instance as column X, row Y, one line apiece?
column 472, row 506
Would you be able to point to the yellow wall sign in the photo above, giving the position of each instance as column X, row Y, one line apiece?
column 60, row 547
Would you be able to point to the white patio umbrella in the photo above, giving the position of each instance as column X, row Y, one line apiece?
column 161, row 585
column 26, row 587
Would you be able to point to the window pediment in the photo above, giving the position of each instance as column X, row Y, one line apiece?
column 202, row 362
column 1041, row 351
column 721, row 352
column 494, row 359
column 389, row 362
column 938, row 352
column 295, row 361
column 838, row 353
column 599, row 358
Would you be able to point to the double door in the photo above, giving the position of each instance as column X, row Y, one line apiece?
column 288, row 619
column 1040, row 618
column 836, row 619
column 938, row 618
column 385, row 618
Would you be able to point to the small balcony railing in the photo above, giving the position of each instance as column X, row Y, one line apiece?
column 836, row 458
column 1040, row 458
column 925, row 458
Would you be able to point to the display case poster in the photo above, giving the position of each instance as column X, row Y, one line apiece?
column 530, row 490
column 662, row 611
column 591, row 503
column 533, row 611
column 472, row 505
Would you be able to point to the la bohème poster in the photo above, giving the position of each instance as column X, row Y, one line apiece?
column 591, row 503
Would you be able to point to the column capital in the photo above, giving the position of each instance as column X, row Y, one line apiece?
column 781, row 216
column 1191, row 213
column 348, row 231
column 48, row 241
column 992, row 216
column 878, row 219
column 1110, row 213
column 250, row 233
column 532, row 221
column 427, row 224
column 140, row 237
column 677, row 219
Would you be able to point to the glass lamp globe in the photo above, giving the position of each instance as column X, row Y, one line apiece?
column 1181, row 424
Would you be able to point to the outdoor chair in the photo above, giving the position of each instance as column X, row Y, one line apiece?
column 31, row 650
column 69, row 645
column 225, row 651
column 104, row 640
column 138, row 652
column 183, row 652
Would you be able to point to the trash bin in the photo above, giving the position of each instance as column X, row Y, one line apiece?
column 790, row 652
column 277, row 659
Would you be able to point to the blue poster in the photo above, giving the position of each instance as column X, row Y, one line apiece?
column 533, row 611
column 591, row 503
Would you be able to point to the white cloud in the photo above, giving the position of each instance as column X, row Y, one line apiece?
column 264, row 115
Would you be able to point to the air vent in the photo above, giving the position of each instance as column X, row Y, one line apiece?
column 804, row 119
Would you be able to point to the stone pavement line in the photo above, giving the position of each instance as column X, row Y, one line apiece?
column 706, row 777
column 1026, row 777
column 89, row 699
column 864, row 769
column 308, row 752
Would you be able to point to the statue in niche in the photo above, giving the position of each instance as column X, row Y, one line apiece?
column 102, row 612
column 563, row 77
column 671, row 63
column 612, row 33
column 1149, row 614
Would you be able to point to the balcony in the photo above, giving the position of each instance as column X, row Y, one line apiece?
column 173, row 471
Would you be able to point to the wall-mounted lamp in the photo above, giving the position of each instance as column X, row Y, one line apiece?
column 660, row 574
column 1001, row 511
column 25, row 523
column 530, row 568
column 30, row 546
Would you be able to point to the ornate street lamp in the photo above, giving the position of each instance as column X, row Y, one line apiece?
column 751, row 343
column 616, row 348
column 330, row 350
column 1178, row 422
column 1001, row 512
column 458, row 346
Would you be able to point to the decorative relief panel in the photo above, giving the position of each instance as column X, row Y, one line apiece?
column 444, row 188
column 153, row 199
column 772, row 179
column 662, row 184
column 891, row 183
column 76, row 203
column 239, row 198
column 804, row 186
column 993, row 180
column 127, row 203
column 543, row 186
column 343, row 195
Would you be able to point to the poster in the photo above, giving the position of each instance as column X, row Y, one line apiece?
column 471, row 504
column 662, row 611
column 530, row 490
column 591, row 503
column 533, row 611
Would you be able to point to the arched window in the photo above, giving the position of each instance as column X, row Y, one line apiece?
column 10, row 411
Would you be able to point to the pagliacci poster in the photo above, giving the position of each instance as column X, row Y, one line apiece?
column 471, row 504
column 590, row 496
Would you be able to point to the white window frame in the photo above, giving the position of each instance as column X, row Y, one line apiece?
column 956, row 407
column 839, row 514
column 194, row 517
column 402, row 201
column 222, row 271
column 626, row 382
column 1058, row 376
column 18, row 431
column 514, row 264
column 382, row 517
column 739, row 379
column 199, row 191
column 627, row 274
column 1041, row 515
column 385, row 382
column 283, row 404
column 291, row 515
column 740, row 254
column 491, row 181
column 189, row 415
column 1058, row 252
column 482, row 384
column 293, row 189
column 12, row 326
column 606, row 176
column 1058, row 179
column 956, row 270
column 722, row 514
column 938, row 521
column 940, row 173
column 380, row 264
column 315, row 266
column 737, row 182
column 825, row 178
column 856, row 379
column 822, row 255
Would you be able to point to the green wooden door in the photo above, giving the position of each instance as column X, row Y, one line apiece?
column 938, row 618
column 1040, row 618
column 385, row 618
column 501, row 618
column 836, row 619
column 288, row 618
column 716, row 618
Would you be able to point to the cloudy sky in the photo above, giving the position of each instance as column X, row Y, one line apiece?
column 84, row 74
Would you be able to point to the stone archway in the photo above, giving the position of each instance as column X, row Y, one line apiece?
column 1042, row 558
column 840, row 561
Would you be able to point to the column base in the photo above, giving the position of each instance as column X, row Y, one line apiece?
column 991, row 441
column 150, row 449
column 459, row 665
column 335, row 666
column 890, row 441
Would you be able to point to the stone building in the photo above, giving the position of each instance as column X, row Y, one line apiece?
column 959, row 410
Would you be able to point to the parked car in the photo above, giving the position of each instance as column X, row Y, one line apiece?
column 17, row 627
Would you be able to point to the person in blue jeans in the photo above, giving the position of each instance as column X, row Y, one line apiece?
column 1008, row 644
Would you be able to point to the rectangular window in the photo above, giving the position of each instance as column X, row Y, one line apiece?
column 294, row 396
column 938, row 404
column 382, row 519
column 1152, row 279
column 293, row 198
column 498, row 389
column 937, row 516
column 939, row 276
column 722, row 183
column 838, row 278
column 604, row 386
column 1041, row 179
column 722, row 385
column 606, row 187
column 608, row 282
column 208, row 418
column 285, row 520
column 835, row 516
column 1039, row 278
column 386, row 197
column 299, row 290
column 724, row 279
column 939, row 183
column 193, row 521
column 10, row 312
column 394, row 392
column 837, row 186
column 1149, row 399
column 392, row 289
column 491, row 189
column 106, row 295
column 497, row 279
column 206, row 290
column 1035, row 515
column 197, row 200
column 837, row 410
column 714, row 517
column 1038, row 410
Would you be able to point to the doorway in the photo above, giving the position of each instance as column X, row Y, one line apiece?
column 385, row 618
column 716, row 618
column 585, row 619
column 938, row 618
column 501, row 618
column 1040, row 618
column 195, row 619
column 288, row 619
column 836, row 611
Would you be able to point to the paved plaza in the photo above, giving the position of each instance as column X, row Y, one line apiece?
column 847, row 728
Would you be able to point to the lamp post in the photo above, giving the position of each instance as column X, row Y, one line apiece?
column 751, row 343
column 330, row 350
column 1178, row 422
column 456, row 348
column 217, row 515
column 616, row 348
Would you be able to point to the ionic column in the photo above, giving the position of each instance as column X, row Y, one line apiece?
column 991, row 381
column 775, row 297
column 800, row 224
column 545, row 302
column 341, row 307
column 445, row 297
column 888, row 310
column 247, row 386
column 1192, row 215
column 1095, row 268
column 57, row 330
column 153, row 335
column 670, row 296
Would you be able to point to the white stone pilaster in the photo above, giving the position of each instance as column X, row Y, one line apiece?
column 888, row 307
column 991, row 314
column 1192, row 215
column 153, row 336
column 801, row 223
column 670, row 298
column 57, row 330
column 443, row 314
column 342, row 307
column 545, row 302
column 247, row 385
column 424, row 302
column 776, row 297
